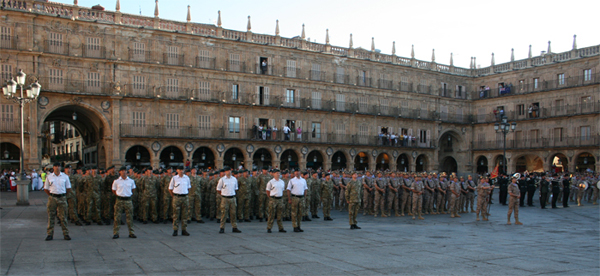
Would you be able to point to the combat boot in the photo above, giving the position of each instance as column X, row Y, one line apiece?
column 396, row 214
column 452, row 215
column 421, row 217
column 472, row 211
column 485, row 218
column 456, row 215
column 413, row 217
column 402, row 214
column 384, row 215
column 477, row 219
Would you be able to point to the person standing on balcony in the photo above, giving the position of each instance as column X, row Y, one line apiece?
column 299, row 133
column 286, row 133
column 274, row 133
column 263, row 67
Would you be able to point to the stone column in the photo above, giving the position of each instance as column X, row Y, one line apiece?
column 248, row 163
column 23, row 192
column 327, row 165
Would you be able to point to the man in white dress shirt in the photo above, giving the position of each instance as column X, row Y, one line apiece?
column 226, row 188
column 57, row 186
column 274, row 190
column 123, row 187
column 178, row 187
column 296, row 190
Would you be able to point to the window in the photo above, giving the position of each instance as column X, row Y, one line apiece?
column 316, row 100
column 560, row 79
column 521, row 109
column 139, row 119
column 536, row 83
column 234, row 62
column 289, row 96
column 204, row 122
column 362, row 78
column 460, row 90
column 8, row 115
column 6, row 72
column 203, row 91
column 363, row 104
column 558, row 134
column 235, row 92
column 234, row 124
column 55, row 43
column 585, row 133
column 139, row 52
column 340, row 129
column 139, row 85
column 92, row 47
column 315, row 72
column 340, row 102
column 423, row 136
column 534, row 136
column 521, row 85
column 55, row 79
column 173, row 55
column 316, row 130
column 424, row 110
column 204, row 59
column 444, row 90
column 404, row 84
column 93, row 82
column 587, row 75
column 172, row 88
column 339, row 75
column 384, row 106
column 5, row 37
column 172, row 124
column 290, row 69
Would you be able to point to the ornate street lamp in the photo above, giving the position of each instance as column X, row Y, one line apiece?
column 504, row 127
column 233, row 157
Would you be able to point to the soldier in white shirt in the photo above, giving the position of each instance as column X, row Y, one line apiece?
column 275, row 189
column 178, row 188
column 296, row 190
column 57, row 186
column 123, row 187
column 226, row 188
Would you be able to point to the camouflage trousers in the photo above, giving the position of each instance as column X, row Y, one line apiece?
column 462, row 202
column 315, row 202
column 367, row 202
column 441, row 202
column 307, row 202
column 405, row 205
column 93, row 207
column 336, row 199
column 342, row 200
column 297, row 211
column 166, row 206
column 180, row 212
column 470, row 201
column 148, row 208
column 392, row 202
column 57, row 206
column 513, row 205
column 482, row 205
column 275, row 211
column 72, row 203
column 212, row 205
column 353, row 211
column 428, row 199
column 262, row 205
column 195, row 207
column 453, row 204
column 120, row 207
column 108, row 205
column 417, row 204
column 81, row 204
column 228, row 208
column 326, row 206
column 378, row 203
column 243, row 208
column 287, row 208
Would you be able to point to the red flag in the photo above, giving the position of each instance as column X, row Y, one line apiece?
column 495, row 172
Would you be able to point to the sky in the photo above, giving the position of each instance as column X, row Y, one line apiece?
column 465, row 28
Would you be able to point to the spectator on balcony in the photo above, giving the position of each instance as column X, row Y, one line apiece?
column 187, row 164
column 501, row 113
column 263, row 131
column 268, row 132
column 535, row 111
column 405, row 140
column 274, row 133
column 530, row 111
column 382, row 138
column 299, row 133
column 496, row 115
column 286, row 133
column 263, row 67
column 255, row 131
column 394, row 139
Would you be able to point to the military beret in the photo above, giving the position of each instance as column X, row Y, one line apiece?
column 304, row 173
column 327, row 174
column 187, row 171
column 265, row 167
column 156, row 172
column 180, row 168
column 111, row 167
column 274, row 170
column 56, row 164
column 234, row 172
column 122, row 168
column 255, row 170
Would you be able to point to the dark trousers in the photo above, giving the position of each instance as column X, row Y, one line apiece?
column 554, row 198
column 503, row 194
column 530, row 194
column 566, row 193
column 543, row 199
column 522, row 200
column 491, row 195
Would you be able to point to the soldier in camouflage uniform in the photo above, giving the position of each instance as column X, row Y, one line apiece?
column 123, row 188
column 353, row 195
column 72, row 197
column 80, row 192
column 149, row 197
column 108, row 198
column 262, row 180
column 483, row 192
column 464, row 190
column 392, row 197
column 429, row 195
column 336, row 191
column 166, row 196
column 315, row 195
column 307, row 196
column 243, row 197
column 406, row 196
column 368, row 190
column 92, row 186
column 212, row 198
column 471, row 186
column 380, row 185
column 196, row 206
column 326, row 192
column 441, row 194
column 454, row 188
column 287, row 210
column 417, row 188
column 513, row 202
column 342, row 180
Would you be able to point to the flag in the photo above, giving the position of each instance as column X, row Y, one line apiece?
column 495, row 172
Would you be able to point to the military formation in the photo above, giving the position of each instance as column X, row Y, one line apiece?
column 185, row 195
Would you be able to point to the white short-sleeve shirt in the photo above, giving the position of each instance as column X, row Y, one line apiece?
column 57, row 184
column 276, row 187
column 180, row 185
column 227, row 185
column 123, row 187
column 297, row 186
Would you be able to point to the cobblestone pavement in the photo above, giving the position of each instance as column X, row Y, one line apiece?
column 552, row 241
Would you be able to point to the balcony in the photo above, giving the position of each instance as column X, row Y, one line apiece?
column 363, row 81
column 56, row 47
column 224, row 133
column 67, row 85
column 140, row 56
column 8, row 42
column 205, row 63
column 543, row 112
column 541, row 143
column 93, row 51
column 173, row 59
column 541, row 85
column 236, row 66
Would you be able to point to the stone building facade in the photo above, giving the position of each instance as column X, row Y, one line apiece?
column 149, row 91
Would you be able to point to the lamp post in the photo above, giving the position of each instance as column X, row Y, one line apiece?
column 31, row 93
column 504, row 127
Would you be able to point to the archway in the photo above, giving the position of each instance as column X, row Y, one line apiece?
column 449, row 141
column 314, row 160
column 9, row 156
column 382, row 162
column 449, row 165
column 421, row 163
column 361, row 161
column 137, row 156
column 233, row 158
column 482, row 165
column 73, row 133
column 171, row 156
column 262, row 158
column 403, row 163
column 338, row 161
column 203, row 158
column 530, row 163
column 559, row 163
column 289, row 160
column 585, row 162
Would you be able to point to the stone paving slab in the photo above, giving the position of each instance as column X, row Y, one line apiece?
column 552, row 242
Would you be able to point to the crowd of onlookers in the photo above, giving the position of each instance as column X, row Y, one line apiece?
column 8, row 179
column 397, row 140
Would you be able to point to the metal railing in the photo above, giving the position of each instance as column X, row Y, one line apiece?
column 140, row 56
column 541, row 85
column 542, row 112
column 76, row 86
column 56, row 47
column 577, row 141
column 92, row 51
column 8, row 42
